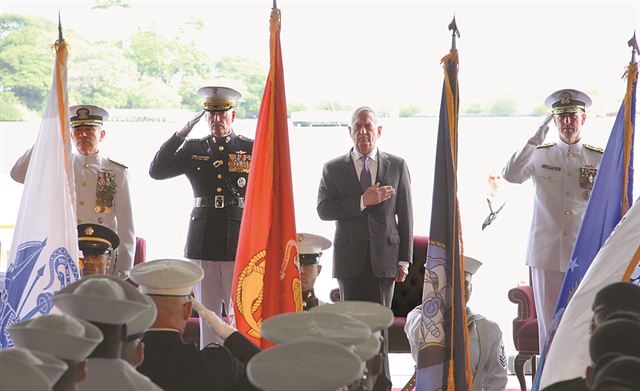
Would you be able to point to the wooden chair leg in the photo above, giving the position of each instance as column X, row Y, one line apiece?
column 518, row 365
column 411, row 384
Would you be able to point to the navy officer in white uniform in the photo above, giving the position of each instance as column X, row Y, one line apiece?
column 486, row 350
column 217, row 167
column 563, row 173
column 102, row 185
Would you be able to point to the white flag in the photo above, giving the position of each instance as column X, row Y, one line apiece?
column 44, row 251
column 616, row 261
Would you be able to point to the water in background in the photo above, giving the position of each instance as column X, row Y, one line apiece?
column 161, row 208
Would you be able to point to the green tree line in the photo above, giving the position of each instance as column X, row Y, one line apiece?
column 145, row 70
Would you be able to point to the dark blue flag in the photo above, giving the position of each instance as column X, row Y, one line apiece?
column 443, row 361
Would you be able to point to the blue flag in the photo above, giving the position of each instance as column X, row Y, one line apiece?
column 44, row 251
column 443, row 360
column 610, row 199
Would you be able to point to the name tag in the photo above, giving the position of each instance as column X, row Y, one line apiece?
column 199, row 157
column 552, row 168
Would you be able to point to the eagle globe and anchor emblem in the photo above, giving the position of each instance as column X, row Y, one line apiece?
column 21, row 285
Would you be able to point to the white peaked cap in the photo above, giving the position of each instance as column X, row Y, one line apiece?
column 18, row 375
column 305, row 365
column 62, row 336
column 368, row 349
column 374, row 315
column 101, row 299
column 166, row 277
column 53, row 368
column 339, row 328
column 311, row 244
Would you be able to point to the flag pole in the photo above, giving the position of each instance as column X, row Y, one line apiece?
column 633, row 43
column 454, row 32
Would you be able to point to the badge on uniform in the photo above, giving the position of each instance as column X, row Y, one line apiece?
column 239, row 162
column 588, row 177
column 105, row 190
column 242, row 182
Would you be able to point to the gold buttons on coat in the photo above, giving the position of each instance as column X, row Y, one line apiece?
column 221, row 148
column 219, row 176
column 219, row 189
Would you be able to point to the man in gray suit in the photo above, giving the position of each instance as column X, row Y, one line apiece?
column 368, row 194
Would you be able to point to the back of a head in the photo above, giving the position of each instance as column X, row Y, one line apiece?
column 619, row 296
column 615, row 336
column 621, row 371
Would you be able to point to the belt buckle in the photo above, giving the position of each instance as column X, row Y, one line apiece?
column 218, row 202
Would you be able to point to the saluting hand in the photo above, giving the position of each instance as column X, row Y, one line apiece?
column 376, row 194
column 541, row 133
column 184, row 132
column 216, row 324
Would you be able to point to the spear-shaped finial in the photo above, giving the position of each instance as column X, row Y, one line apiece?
column 454, row 32
column 633, row 43
column 60, row 39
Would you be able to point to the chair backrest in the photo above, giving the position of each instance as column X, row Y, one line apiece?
column 141, row 251
column 408, row 295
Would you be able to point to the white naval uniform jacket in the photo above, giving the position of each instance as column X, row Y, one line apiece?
column 560, row 198
column 486, row 351
column 119, row 218
column 105, row 374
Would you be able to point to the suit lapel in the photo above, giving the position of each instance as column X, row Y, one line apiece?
column 383, row 165
column 352, row 180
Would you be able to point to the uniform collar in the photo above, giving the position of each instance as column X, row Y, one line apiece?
column 569, row 147
column 224, row 139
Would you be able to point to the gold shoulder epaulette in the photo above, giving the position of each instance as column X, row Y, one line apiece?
column 118, row 164
column 594, row 148
column 547, row 145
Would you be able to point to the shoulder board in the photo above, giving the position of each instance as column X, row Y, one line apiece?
column 118, row 164
column 243, row 138
column 547, row 145
column 593, row 148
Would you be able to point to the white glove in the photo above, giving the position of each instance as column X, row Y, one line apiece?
column 541, row 133
column 216, row 324
column 184, row 132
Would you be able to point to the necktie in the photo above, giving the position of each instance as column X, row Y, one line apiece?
column 365, row 175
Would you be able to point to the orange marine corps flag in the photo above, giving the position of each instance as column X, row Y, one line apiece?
column 266, row 279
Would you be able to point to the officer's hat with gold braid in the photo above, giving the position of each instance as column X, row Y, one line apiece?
column 217, row 98
column 567, row 101
column 87, row 115
column 95, row 239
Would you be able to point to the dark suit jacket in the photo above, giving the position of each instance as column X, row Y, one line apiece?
column 174, row 365
column 214, row 167
column 384, row 231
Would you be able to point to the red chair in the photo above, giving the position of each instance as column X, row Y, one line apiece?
column 141, row 251
column 525, row 332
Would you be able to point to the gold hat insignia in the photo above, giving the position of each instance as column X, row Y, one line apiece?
column 89, row 231
column 565, row 98
column 83, row 113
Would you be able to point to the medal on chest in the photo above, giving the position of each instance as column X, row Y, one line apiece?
column 105, row 191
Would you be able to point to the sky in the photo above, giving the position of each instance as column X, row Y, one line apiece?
column 387, row 53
